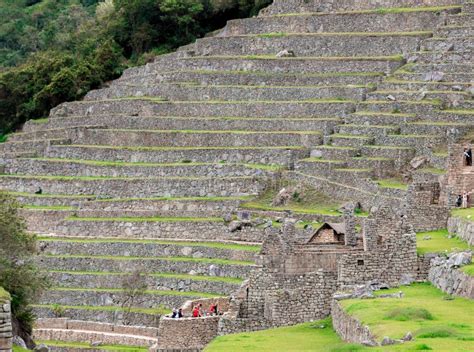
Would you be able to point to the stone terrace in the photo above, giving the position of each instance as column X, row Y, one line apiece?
column 140, row 174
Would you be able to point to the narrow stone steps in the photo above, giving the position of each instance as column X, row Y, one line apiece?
column 92, row 168
column 134, row 186
column 88, row 336
column 357, row 21
column 207, row 267
column 321, row 44
column 152, row 107
column 379, row 118
column 245, row 77
column 283, row 155
column 340, row 140
column 268, row 64
column 367, row 130
column 193, row 92
column 193, row 138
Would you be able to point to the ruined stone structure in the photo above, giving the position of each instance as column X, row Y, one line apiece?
column 6, row 329
column 149, row 173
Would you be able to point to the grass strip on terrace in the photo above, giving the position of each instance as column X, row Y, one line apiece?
column 145, row 149
column 392, row 183
column 250, row 86
column 439, row 242
column 269, row 167
column 159, row 310
column 468, row 269
column 215, row 131
column 335, row 34
column 231, row 280
column 48, row 207
column 397, row 58
column 4, row 295
column 45, row 195
column 146, row 219
column 130, row 179
column 218, row 245
column 380, row 11
column 467, row 213
column 170, row 259
column 87, row 347
column 284, row 74
column 148, row 292
column 227, row 102
column 177, row 199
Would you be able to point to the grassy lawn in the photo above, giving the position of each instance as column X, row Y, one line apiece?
column 86, row 346
column 442, row 325
column 392, row 183
column 464, row 213
column 4, row 295
column 439, row 243
column 306, row 201
column 468, row 269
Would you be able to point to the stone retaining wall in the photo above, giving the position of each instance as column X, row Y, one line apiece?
column 463, row 228
column 6, row 329
column 450, row 279
column 349, row 328
column 186, row 333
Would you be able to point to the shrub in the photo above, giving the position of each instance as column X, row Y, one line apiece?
column 435, row 332
column 409, row 313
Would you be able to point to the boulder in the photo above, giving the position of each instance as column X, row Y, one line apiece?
column 235, row 226
column 286, row 53
column 17, row 340
column 387, row 341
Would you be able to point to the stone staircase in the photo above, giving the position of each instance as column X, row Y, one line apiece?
column 141, row 174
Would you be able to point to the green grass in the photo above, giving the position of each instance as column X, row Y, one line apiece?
column 19, row 349
column 184, row 199
column 307, row 201
column 86, row 346
column 4, row 295
column 467, row 213
column 147, row 149
column 439, row 243
column 108, row 178
column 305, row 58
column 148, row 292
column 468, row 269
column 392, row 183
column 444, row 325
column 283, row 74
column 231, row 280
column 218, row 245
column 172, row 259
column 432, row 170
column 339, row 34
column 157, row 311
column 145, row 219
column 49, row 207
column 45, row 195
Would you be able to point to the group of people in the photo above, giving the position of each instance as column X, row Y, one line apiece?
column 464, row 200
column 197, row 311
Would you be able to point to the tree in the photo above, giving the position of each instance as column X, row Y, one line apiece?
column 134, row 286
column 19, row 274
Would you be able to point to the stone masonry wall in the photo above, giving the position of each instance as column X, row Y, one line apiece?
column 463, row 228
column 6, row 330
column 450, row 279
column 349, row 328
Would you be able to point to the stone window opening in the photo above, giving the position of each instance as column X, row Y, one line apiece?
column 360, row 262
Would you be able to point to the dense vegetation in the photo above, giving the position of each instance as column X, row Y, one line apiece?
column 18, row 272
column 53, row 51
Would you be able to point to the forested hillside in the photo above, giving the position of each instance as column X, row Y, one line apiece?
column 53, row 51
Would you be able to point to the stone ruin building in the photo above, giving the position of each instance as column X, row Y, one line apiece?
column 366, row 105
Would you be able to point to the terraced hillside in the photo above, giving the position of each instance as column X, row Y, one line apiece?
column 147, row 173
